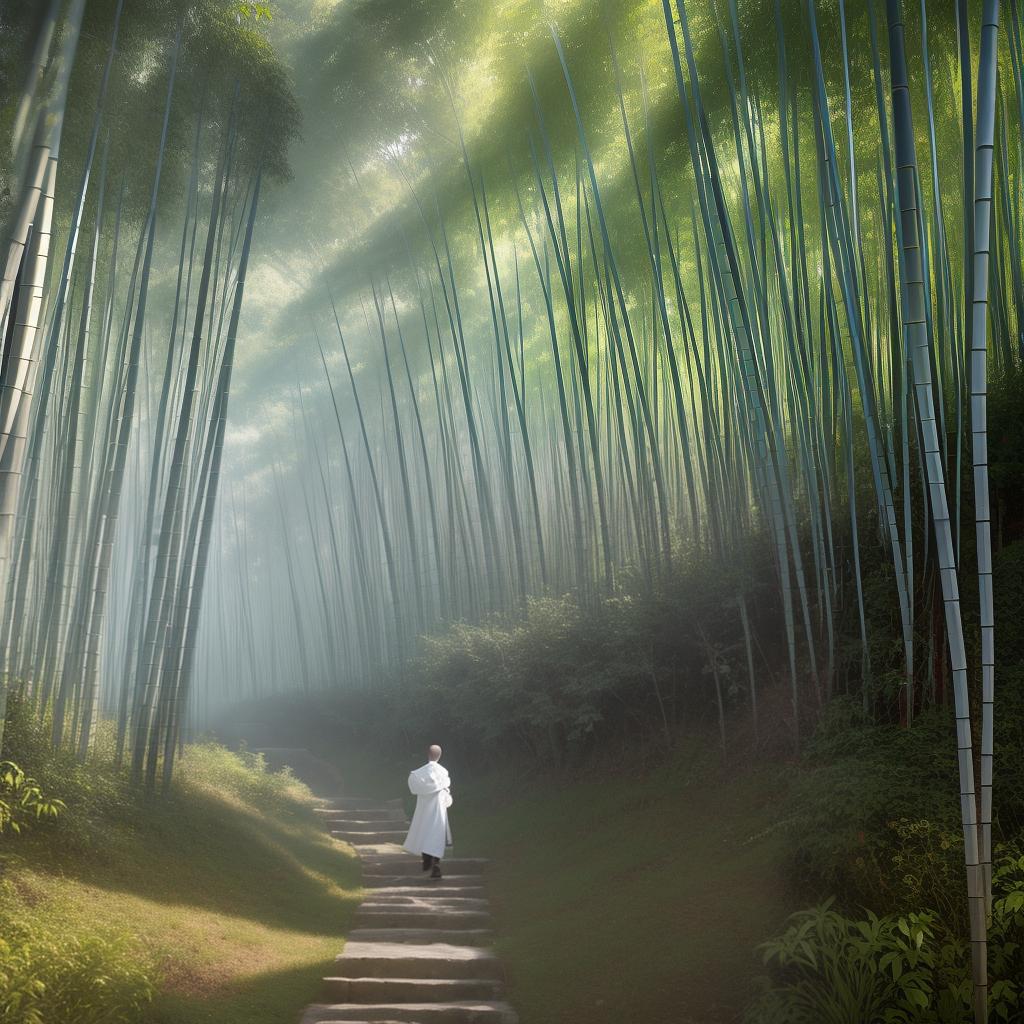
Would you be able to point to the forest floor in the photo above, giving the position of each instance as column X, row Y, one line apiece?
column 237, row 900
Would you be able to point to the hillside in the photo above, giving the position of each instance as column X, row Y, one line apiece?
column 224, row 901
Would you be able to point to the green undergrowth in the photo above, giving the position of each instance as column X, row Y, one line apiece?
column 220, row 903
column 631, row 898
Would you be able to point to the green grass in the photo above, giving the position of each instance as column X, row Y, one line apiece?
column 229, row 889
column 625, row 900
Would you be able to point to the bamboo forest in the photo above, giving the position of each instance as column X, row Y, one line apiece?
column 614, row 407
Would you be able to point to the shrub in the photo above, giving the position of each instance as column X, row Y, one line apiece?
column 857, row 778
column 96, row 792
column 875, row 815
column 826, row 968
column 926, row 869
column 51, row 973
column 546, row 684
column 48, row 975
column 577, row 678
column 22, row 801
column 20, row 989
column 1006, row 933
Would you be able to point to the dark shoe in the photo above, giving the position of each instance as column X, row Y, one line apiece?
column 436, row 873
column 427, row 861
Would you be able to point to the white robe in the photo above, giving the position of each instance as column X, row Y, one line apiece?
column 429, row 831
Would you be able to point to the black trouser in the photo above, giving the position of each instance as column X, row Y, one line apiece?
column 430, row 862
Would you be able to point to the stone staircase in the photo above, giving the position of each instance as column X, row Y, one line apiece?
column 420, row 952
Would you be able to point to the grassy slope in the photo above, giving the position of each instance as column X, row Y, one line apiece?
column 631, row 900
column 241, row 901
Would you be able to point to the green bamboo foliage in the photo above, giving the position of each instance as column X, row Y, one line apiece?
column 78, row 346
column 617, row 358
column 606, row 359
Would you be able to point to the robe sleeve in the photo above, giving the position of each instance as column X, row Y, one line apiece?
column 423, row 783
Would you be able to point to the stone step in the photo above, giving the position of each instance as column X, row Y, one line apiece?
column 361, row 803
column 363, row 813
column 381, row 899
column 424, row 936
column 391, row 882
column 461, row 1012
column 407, row 960
column 349, row 836
column 391, row 866
column 439, row 906
column 422, row 917
column 383, row 851
column 364, row 825
column 434, row 890
column 407, row 990
column 377, row 825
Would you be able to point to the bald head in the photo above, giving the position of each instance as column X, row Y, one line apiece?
column 434, row 752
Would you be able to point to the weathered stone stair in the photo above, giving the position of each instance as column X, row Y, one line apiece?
column 419, row 952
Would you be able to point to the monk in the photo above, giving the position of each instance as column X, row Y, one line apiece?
column 429, row 833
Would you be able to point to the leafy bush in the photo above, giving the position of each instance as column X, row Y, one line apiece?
column 22, row 801
column 1006, row 933
column 615, row 676
column 51, row 973
column 926, row 869
column 96, row 792
column 48, row 975
column 826, row 968
column 858, row 779
column 20, row 989
column 545, row 684
column 829, row 969
column 99, row 795
column 875, row 815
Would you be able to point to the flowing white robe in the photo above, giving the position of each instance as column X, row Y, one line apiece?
column 429, row 831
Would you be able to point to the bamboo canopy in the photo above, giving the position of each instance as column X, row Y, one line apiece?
column 492, row 350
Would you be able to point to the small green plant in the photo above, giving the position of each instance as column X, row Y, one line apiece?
column 49, row 975
column 22, row 801
column 254, row 11
column 826, row 968
column 830, row 969
column 96, row 791
column 19, row 987
column 1006, row 935
column 926, row 870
